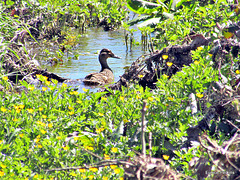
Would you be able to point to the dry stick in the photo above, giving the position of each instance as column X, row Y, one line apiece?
column 150, row 144
column 143, row 128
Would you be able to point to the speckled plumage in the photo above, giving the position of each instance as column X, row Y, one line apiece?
column 105, row 75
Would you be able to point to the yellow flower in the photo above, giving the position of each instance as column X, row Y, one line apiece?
column 79, row 101
column 31, row 88
column 99, row 130
column 21, row 106
column 113, row 166
column 107, row 157
column 50, row 125
column 21, row 135
column 76, row 138
column 43, row 131
column 44, row 116
column 73, row 174
column 199, row 95
column 65, row 148
column 164, row 56
column 64, row 85
column 165, row 157
column 114, row 150
column 3, row 166
column 100, row 114
column 138, row 97
column 121, row 178
column 5, row 78
column 30, row 110
column 89, row 148
column 117, row 171
column 1, row 173
column 1, row 141
column 48, row 82
column 237, row 71
column 196, row 62
column 125, row 121
column 210, row 55
column 90, row 177
column 169, row 64
column 45, row 78
column 38, row 76
column 81, row 170
column 18, row 110
column 121, row 98
column 85, row 90
column 105, row 178
column 70, row 108
column 59, row 137
column 44, row 88
column 35, row 176
column 36, row 140
column 140, row 76
column 104, row 98
column 93, row 169
column 170, row 98
column 71, row 112
column 150, row 98
column 3, row 109
column 15, row 120
column 40, row 146
column 200, row 48
column 165, row 76
column 40, row 109
column 74, row 93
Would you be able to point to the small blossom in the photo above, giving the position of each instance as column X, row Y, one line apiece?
column 100, row 114
column 90, row 177
column 30, row 110
column 121, row 98
column 40, row 109
column 104, row 98
column 165, row 76
column 200, row 48
column 93, row 169
column 1, row 173
column 79, row 101
column 31, row 88
column 114, row 150
column 65, row 148
column 210, row 55
column 170, row 98
column 199, row 95
column 73, row 174
column 21, row 135
column 117, row 171
column 237, row 71
column 40, row 146
column 35, row 176
column 138, row 97
column 82, row 170
column 164, row 56
column 105, row 178
column 44, row 116
column 196, row 62
column 50, row 125
column 85, row 90
column 113, row 166
column 44, row 88
column 169, row 64
column 71, row 112
column 21, row 106
column 64, row 85
column 74, row 93
column 3, row 109
column 48, row 83
column 165, row 157
column 99, row 130
column 76, row 138
column 5, row 78
column 38, row 76
column 45, row 78
column 59, row 137
column 140, row 76
column 36, row 140
column 150, row 98
column 89, row 148
column 70, row 108
column 43, row 131
column 125, row 121
column 106, row 157
column 15, row 120
column 3, row 166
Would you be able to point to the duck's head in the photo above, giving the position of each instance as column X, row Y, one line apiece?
column 106, row 53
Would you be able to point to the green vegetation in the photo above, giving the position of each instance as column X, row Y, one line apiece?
column 36, row 122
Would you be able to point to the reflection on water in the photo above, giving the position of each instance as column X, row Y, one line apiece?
column 89, row 45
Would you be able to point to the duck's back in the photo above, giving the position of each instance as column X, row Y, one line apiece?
column 103, row 77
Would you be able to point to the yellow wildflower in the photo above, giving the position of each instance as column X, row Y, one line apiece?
column 99, row 130
column 237, row 71
column 15, row 120
column 38, row 76
column 73, row 174
column 21, row 106
column 30, row 110
column 79, row 101
column 113, row 166
column 44, row 116
column 50, row 125
column 90, row 177
column 125, row 121
column 165, row 157
column 36, row 140
column 40, row 146
column 100, row 114
column 35, row 176
column 93, row 169
column 43, row 131
column 18, row 110
column 169, row 64
column 85, row 90
column 70, row 108
column 150, row 98
column 76, row 138
column 89, row 148
column 65, row 148
column 106, row 157
column 164, row 56
column 21, row 135
column 199, row 95
column 82, row 170
column 64, row 85
column 165, row 76
column 200, row 48
column 210, row 55
column 121, row 98
column 105, row 178
column 104, row 98
column 31, row 88
column 138, row 97
column 117, row 171
column 196, row 62
column 45, row 78
column 114, row 149
column 5, row 78
column 59, row 137
column 40, row 109
column 48, row 83
column 3, row 109
column 44, row 88
column 71, row 112
column 140, row 76
column 1, row 173
column 170, row 98
column 3, row 166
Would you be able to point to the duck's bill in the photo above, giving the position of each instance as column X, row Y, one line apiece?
column 114, row 56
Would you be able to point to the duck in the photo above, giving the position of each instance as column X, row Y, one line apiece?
column 105, row 76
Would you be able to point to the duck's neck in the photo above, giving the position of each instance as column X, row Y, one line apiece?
column 104, row 64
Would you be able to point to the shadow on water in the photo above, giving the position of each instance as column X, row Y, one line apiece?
column 87, row 51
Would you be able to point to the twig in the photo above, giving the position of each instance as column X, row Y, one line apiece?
column 93, row 154
column 143, row 129
column 150, row 144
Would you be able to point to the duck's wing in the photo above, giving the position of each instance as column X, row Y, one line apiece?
column 98, row 78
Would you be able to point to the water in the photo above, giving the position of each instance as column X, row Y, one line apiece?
column 87, row 62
